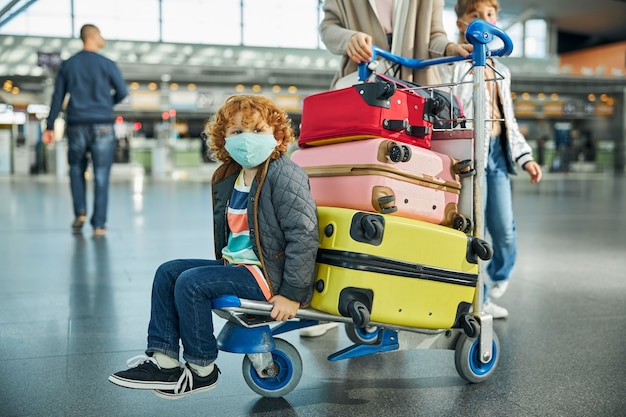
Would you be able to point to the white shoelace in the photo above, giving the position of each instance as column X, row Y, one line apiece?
column 185, row 381
column 139, row 359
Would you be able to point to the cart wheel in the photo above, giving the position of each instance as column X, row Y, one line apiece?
column 287, row 372
column 367, row 335
column 467, row 360
column 459, row 222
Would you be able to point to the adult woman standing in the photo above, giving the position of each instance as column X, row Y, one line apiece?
column 410, row 28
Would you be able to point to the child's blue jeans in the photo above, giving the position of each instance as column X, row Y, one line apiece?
column 181, row 305
column 499, row 215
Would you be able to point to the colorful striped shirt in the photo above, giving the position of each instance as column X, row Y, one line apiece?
column 239, row 248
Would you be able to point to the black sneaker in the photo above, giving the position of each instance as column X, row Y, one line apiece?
column 190, row 383
column 146, row 373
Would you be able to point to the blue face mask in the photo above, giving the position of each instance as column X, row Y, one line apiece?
column 250, row 149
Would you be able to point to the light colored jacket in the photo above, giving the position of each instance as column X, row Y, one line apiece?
column 282, row 217
column 418, row 33
column 518, row 151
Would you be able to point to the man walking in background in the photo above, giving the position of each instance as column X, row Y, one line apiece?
column 94, row 84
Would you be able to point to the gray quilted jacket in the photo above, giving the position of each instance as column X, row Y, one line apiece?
column 282, row 216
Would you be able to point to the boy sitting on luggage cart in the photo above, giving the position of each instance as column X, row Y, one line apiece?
column 266, row 240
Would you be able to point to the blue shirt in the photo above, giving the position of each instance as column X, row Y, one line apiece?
column 95, row 85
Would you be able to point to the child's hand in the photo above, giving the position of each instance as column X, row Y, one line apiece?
column 284, row 308
column 463, row 49
column 534, row 170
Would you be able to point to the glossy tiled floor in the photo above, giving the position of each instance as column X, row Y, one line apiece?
column 74, row 308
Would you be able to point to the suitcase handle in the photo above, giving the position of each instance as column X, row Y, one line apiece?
column 479, row 33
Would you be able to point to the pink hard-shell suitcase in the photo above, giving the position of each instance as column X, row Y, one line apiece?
column 382, row 175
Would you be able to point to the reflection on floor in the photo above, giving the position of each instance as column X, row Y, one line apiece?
column 74, row 308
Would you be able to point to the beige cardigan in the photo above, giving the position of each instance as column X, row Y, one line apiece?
column 423, row 36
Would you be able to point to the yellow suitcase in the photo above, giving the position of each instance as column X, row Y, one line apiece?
column 394, row 270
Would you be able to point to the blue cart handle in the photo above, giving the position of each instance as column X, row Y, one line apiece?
column 479, row 33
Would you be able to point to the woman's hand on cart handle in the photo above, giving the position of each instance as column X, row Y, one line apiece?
column 479, row 33
column 359, row 48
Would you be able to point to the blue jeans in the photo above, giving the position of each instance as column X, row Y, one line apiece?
column 98, row 141
column 499, row 219
column 181, row 305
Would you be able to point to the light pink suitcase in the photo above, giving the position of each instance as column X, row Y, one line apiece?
column 381, row 175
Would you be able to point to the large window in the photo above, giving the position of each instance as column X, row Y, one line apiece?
column 280, row 23
column 42, row 18
column 535, row 39
column 202, row 21
column 270, row 23
column 118, row 19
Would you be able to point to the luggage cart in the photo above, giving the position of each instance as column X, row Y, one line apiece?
column 272, row 367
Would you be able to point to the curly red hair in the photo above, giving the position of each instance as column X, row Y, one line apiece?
column 250, row 106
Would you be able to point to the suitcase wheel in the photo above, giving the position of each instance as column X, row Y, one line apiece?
column 462, row 223
column 482, row 249
column 399, row 153
column 388, row 210
column 386, row 204
column 470, row 325
column 459, row 222
column 469, row 226
column 359, row 313
column 386, row 90
column 464, row 168
column 372, row 228
column 356, row 303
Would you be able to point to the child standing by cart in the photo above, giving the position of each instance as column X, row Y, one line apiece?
column 266, row 240
column 507, row 149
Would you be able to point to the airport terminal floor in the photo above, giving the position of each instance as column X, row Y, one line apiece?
column 74, row 308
